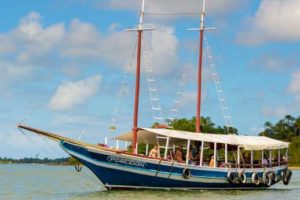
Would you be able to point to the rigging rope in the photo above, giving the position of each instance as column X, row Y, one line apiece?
column 218, row 86
column 174, row 14
column 42, row 148
column 234, row 77
column 182, row 85
column 122, row 92
column 153, row 91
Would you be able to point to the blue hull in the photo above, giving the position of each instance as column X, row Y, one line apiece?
column 117, row 170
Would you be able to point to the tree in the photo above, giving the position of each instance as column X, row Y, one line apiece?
column 207, row 126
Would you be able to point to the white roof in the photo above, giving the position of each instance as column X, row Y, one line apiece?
column 149, row 136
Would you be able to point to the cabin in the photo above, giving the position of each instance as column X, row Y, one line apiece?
column 212, row 150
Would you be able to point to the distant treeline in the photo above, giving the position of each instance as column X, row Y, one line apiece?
column 56, row 161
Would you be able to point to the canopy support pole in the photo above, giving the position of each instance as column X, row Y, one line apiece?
column 270, row 157
column 262, row 157
column 166, row 149
column 226, row 155
column 278, row 158
column 201, row 153
column 251, row 158
column 117, row 144
column 187, row 152
column 215, row 154
column 147, row 149
column 238, row 156
column 287, row 155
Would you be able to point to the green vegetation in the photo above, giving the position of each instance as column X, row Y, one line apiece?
column 286, row 129
column 207, row 126
column 47, row 161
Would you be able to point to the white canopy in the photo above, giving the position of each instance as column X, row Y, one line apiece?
column 150, row 135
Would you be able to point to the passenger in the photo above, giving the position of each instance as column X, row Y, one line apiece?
column 264, row 162
column 194, row 152
column 246, row 160
column 179, row 154
column 154, row 152
column 212, row 161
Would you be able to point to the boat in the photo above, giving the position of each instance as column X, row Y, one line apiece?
column 180, row 159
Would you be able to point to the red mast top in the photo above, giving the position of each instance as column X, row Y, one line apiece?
column 199, row 91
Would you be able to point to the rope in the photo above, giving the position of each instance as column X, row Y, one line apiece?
column 235, row 79
column 182, row 85
column 87, row 177
column 122, row 91
column 174, row 14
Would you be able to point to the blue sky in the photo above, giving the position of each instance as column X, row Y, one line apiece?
column 67, row 66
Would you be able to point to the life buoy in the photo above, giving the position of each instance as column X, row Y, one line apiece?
column 242, row 177
column 255, row 178
column 78, row 167
column 271, row 179
column 286, row 177
column 186, row 173
column 230, row 177
column 265, row 178
column 277, row 177
column 273, row 176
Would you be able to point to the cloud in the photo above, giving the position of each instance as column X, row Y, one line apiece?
column 278, row 111
column 275, row 62
column 294, row 86
column 27, row 47
column 171, row 6
column 70, row 94
column 31, row 46
column 274, row 21
column 32, row 41
column 161, row 46
column 84, row 41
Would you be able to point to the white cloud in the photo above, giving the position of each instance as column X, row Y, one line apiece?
column 71, row 94
column 172, row 6
column 275, row 62
column 294, row 86
column 27, row 47
column 34, row 41
column 31, row 46
column 275, row 20
column 278, row 111
column 84, row 41
column 161, row 46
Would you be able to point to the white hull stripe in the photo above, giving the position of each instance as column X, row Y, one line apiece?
column 180, row 165
column 146, row 172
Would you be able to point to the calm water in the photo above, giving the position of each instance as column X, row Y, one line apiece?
column 61, row 182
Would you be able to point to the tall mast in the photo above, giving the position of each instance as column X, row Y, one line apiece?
column 198, row 112
column 137, row 80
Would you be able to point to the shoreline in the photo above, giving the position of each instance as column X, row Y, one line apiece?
column 294, row 167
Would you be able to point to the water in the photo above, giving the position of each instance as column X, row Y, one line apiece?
column 62, row 182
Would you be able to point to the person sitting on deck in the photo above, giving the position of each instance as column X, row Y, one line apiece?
column 212, row 161
column 154, row 152
column 179, row 154
column 246, row 160
column 264, row 162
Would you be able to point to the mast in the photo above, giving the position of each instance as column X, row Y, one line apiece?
column 137, row 80
column 200, row 61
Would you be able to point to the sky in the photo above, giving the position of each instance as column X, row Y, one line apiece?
column 68, row 66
